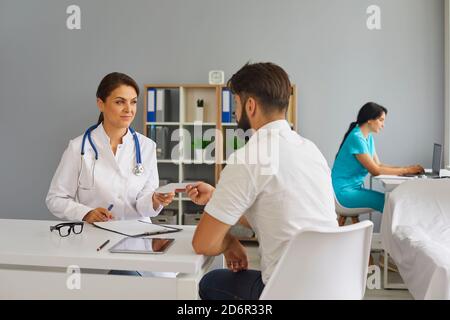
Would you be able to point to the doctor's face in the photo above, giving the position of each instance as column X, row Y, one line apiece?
column 119, row 109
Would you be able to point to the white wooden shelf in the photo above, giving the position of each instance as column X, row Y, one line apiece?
column 177, row 162
column 213, row 124
column 199, row 123
column 162, row 123
column 198, row 162
column 168, row 161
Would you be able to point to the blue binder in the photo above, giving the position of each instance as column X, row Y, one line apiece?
column 226, row 105
column 151, row 105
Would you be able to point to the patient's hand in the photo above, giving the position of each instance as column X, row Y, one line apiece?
column 200, row 192
column 236, row 256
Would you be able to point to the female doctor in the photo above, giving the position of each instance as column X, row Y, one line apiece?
column 110, row 165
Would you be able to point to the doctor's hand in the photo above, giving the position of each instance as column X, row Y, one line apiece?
column 162, row 199
column 200, row 192
column 236, row 256
column 98, row 215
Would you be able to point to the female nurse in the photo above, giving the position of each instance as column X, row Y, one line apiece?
column 357, row 157
column 109, row 172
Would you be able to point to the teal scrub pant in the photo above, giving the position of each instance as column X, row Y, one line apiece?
column 361, row 198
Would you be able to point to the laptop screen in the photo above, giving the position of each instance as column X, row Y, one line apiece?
column 437, row 158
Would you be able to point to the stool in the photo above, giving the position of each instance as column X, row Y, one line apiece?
column 344, row 213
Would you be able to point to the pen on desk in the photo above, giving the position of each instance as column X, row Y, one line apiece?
column 103, row 245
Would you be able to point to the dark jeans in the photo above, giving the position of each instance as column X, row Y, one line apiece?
column 224, row 284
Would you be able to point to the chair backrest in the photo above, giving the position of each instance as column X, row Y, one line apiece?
column 323, row 263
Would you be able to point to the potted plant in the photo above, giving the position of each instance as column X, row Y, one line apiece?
column 234, row 144
column 199, row 145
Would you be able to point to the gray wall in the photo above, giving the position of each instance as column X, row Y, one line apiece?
column 49, row 75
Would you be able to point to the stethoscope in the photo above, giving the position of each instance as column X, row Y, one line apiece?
column 138, row 169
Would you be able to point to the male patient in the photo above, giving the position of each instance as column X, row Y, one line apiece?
column 277, row 184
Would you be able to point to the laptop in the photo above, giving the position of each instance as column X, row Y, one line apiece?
column 436, row 167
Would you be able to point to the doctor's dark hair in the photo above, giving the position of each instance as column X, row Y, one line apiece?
column 110, row 83
column 369, row 111
column 266, row 82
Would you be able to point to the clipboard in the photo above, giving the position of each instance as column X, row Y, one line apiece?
column 136, row 228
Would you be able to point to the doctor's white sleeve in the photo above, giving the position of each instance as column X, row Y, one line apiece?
column 63, row 188
column 144, row 204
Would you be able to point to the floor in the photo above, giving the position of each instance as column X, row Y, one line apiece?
column 254, row 263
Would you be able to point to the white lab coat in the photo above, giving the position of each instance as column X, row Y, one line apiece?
column 81, row 183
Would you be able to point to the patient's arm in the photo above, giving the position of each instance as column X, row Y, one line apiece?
column 211, row 236
column 200, row 192
column 243, row 220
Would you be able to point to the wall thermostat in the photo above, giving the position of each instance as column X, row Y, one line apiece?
column 216, row 77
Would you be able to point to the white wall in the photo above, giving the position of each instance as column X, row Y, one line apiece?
column 447, row 84
column 49, row 75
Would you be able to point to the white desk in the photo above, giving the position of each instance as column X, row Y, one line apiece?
column 34, row 264
column 389, row 183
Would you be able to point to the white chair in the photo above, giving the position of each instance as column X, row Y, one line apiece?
column 353, row 213
column 323, row 263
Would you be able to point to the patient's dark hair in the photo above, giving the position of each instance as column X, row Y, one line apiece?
column 369, row 111
column 267, row 82
column 110, row 83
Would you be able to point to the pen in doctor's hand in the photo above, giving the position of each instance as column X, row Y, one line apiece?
column 109, row 216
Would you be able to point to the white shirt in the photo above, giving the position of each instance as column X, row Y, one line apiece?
column 278, row 194
column 81, row 183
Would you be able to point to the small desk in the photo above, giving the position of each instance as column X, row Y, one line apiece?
column 389, row 183
column 38, row 264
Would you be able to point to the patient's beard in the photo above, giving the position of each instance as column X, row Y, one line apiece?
column 243, row 122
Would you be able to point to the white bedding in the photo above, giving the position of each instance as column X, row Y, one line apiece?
column 415, row 231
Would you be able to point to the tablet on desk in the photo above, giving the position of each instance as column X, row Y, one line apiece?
column 142, row 245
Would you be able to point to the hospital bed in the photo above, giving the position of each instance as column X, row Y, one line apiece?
column 415, row 232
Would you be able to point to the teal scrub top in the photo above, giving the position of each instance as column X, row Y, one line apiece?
column 347, row 171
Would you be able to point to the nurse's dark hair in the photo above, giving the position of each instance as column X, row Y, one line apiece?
column 110, row 83
column 369, row 111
